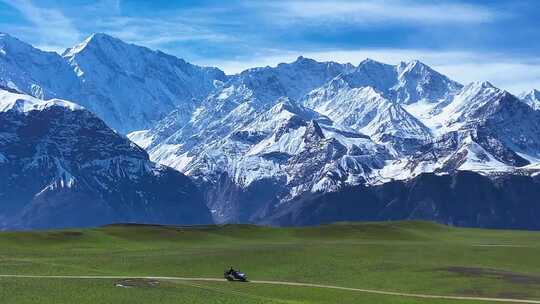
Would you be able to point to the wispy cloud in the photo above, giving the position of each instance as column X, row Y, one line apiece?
column 389, row 11
column 157, row 32
column 52, row 28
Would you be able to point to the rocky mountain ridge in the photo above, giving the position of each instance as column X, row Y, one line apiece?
column 61, row 166
column 128, row 86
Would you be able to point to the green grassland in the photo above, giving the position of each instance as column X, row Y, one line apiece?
column 409, row 257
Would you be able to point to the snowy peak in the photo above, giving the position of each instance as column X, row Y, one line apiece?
column 368, row 109
column 285, row 104
column 480, row 86
column 108, row 46
column 404, row 83
column 32, row 71
column 535, row 94
column 416, row 71
column 101, row 50
column 469, row 106
column 478, row 92
column 393, row 121
column 310, row 64
column 483, row 129
column 371, row 62
column 284, row 116
column 301, row 60
column 371, row 73
column 532, row 98
column 414, row 66
column 93, row 42
column 292, row 80
column 369, row 65
column 417, row 81
column 131, row 87
column 10, row 101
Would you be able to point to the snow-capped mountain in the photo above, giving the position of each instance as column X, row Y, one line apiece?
column 366, row 110
column 258, row 141
column 287, row 151
column 374, row 98
column 381, row 122
column 482, row 129
column 292, row 80
column 403, row 83
column 41, row 74
column 461, row 110
column 128, row 86
column 236, row 102
column 251, row 131
column 532, row 98
column 61, row 166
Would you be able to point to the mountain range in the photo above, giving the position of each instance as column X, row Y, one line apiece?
column 299, row 143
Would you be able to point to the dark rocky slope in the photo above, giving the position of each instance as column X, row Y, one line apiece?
column 61, row 166
column 461, row 199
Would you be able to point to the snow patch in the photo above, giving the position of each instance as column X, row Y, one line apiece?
column 25, row 103
column 479, row 160
column 142, row 138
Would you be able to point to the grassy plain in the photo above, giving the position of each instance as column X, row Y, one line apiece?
column 409, row 257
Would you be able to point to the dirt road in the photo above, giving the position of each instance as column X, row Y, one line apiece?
column 370, row 291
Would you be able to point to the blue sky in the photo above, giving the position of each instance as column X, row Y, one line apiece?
column 494, row 40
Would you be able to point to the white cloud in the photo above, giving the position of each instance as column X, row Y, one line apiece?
column 370, row 11
column 51, row 29
column 156, row 32
column 510, row 73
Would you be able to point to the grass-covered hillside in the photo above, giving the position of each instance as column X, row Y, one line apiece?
column 407, row 257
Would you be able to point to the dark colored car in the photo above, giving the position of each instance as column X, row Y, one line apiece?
column 233, row 275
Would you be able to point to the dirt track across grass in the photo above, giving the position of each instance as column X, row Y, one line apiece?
column 298, row 284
